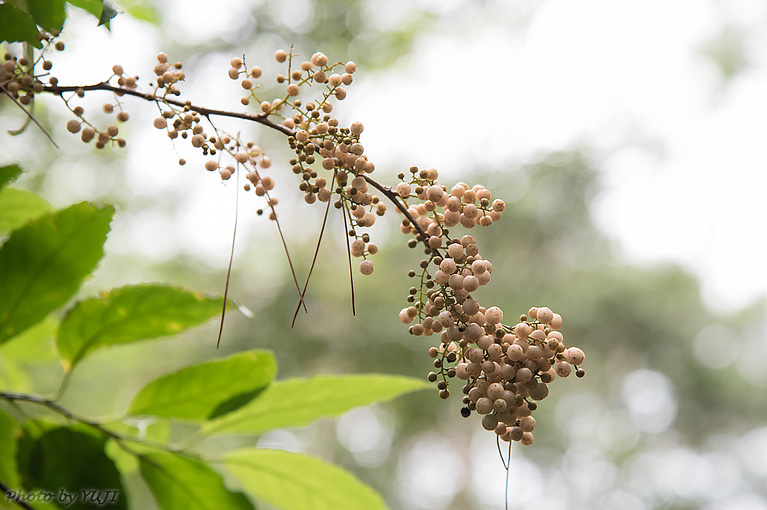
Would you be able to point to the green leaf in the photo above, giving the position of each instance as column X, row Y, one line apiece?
column 148, row 13
column 94, row 7
column 104, row 10
column 34, row 344
column 43, row 263
column 293, row 481
column 195, row 392
column 182, row 483
column 130, row 314
column 17, row 26
column 296, row 402
column 9, row 173
column 28, row 355
column 107, row 13
column 75, row 461
column 48, row 14
column 8, row 470
column 17, row 207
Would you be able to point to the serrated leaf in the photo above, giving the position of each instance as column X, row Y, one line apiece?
column 75, row 461
column 182, row 483
column 48, row 14
column 17, row 207
column 195, row 392
column 131, row 314
column 17, row 26
column 297, row 402
column 293, row 481
column 9, row 173
column 9, row 473
column 43, row 263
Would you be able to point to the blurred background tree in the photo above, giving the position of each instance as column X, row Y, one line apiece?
column 557, row 114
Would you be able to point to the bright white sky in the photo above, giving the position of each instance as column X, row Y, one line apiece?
column 683, row 154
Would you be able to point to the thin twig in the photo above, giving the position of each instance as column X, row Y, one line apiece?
column 31, row 117
column 261, row 119
column 349, row 255
column 231, row 255
column 316, row 252
column 14, row 398
column 287, row 254
column 500, row 454
column 394, row 198
column 508, row 467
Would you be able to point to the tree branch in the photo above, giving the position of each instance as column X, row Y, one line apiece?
column 53, row 406
column 261, row 119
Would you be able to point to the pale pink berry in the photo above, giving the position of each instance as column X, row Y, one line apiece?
column 563, row 368
column 403, row 189
column 575, row 356
column 367, row 267
column 544, row 315
column 319, row 59
column 494, row 315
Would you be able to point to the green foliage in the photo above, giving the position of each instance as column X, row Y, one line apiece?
column 94, row 7
column 19, row 21
column 17, row 26
column 71, row 460
column 48, row 14
column 43, row 263
column 17, row 207
column 130, row 314
column 9, row 173
column 196, row 392
column 297, row 402
column 102, row 9
column 183, row 483
column 294, row 481
column 8, row 471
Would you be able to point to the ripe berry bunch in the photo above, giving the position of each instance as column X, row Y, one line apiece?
column 21, row 78
column 507, row 369
column 329, row 158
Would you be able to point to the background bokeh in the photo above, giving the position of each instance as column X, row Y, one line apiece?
column 627, row 141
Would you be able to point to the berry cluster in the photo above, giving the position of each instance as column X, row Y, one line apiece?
column 329, row 158
column 506, row 368
column 23, row 79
